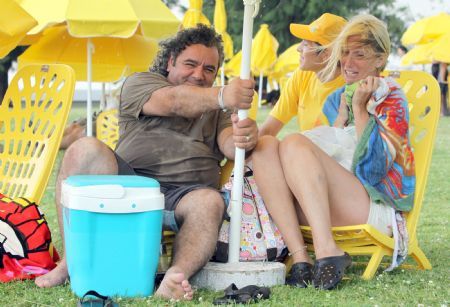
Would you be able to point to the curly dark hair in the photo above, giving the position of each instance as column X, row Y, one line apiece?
column 201, row 34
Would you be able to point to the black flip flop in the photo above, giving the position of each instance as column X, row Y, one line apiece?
column 328, row 271
column 245, row 295
column 98, row 300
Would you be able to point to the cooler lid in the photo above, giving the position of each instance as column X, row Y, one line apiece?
column 124, row 181
column 111, row 194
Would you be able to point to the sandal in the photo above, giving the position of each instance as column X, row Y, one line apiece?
column 301, row 275
column 328, row 271
column 98, row 300
column 245, row 295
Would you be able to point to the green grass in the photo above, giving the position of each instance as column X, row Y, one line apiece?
column 405, row 287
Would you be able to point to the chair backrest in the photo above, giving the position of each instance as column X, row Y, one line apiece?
column 107, row 127
column 33, row 115
column 423, row 95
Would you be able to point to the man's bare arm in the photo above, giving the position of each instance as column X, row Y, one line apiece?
column 226, row 143
column 191, row 101
column 243, row 134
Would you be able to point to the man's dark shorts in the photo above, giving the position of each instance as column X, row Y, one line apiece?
column 172, row 194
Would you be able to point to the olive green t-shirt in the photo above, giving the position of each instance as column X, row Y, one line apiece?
column 173, row 150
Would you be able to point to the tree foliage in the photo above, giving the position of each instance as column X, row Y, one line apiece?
column 278, row 14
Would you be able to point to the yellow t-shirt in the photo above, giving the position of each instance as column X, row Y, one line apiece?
column 304, row 96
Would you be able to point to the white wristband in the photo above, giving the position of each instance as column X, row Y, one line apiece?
column 220, row 98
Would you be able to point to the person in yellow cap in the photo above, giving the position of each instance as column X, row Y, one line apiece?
column 304, row 97
column 306, row 90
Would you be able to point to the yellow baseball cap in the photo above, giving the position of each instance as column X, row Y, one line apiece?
column 322, row 30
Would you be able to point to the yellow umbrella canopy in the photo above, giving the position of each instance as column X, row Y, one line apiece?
column 420, row 54
column 264, row 51
column 426, row 29
column 15, row 22
column 194, row 15
column 46, row 12
column 112, row 58
column 105, row 18
column 287, row 62
column 118, row 18
column 233, row 67
column 220, row 24
column 440, row 50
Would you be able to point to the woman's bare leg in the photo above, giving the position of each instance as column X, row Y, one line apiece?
column 328, row 194
column 277, row 197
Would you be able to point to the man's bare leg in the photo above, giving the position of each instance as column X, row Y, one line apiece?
column 85, row 156
column 200, row 215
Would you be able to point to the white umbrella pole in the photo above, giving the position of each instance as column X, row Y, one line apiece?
column 103, row 98
column 89, row 91
column 250, row 10
column 260, row 88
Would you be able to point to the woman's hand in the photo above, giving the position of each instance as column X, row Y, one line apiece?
column 342, row 117
column 359, row 102
column 363, row 93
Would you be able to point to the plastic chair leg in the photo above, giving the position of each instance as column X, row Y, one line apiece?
column 419, row 256
column 373, row 264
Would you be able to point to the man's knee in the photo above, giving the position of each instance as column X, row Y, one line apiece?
column 88, row 155
column 203, row 205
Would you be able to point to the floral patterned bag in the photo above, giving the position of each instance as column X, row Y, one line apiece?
column 260, row 238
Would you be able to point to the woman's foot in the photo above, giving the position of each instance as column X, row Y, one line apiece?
column 301, row 275
column 175, row 286
column 328, row 271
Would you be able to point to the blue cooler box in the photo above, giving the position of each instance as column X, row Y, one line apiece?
column 112, row 227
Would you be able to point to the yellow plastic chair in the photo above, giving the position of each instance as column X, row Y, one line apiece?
column 108, row 127
column 33, row 115
column 422, row 92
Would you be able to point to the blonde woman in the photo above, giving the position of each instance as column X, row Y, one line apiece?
column 318, row 190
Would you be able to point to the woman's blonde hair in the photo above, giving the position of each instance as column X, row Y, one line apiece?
column 372, row 33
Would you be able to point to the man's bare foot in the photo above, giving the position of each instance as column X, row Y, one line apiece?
column 175, row 286
column 55, row 277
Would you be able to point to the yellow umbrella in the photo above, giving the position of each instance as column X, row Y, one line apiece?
column 220, row 24
column 233, row 67
column 264, row 55
column 103, row 18
column 118, row 18
column 287, row 62
column 426, row 29
column 264, row 51
column 420, row 54
column 194, row 15
column 440, row 50
column 112, row 58
column 15, row 22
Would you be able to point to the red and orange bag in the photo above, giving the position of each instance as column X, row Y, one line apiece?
column 26, row 248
